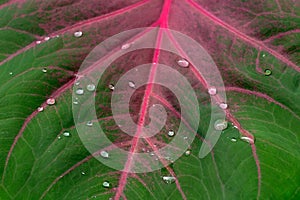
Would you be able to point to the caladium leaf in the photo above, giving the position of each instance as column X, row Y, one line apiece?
column 254, row 44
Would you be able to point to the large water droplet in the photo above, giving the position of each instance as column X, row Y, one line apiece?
column 66, row 134
column 268, row 72
column 247, row 139
column 183, row 62
column 91, row 87
column 131, row 84
column 50, row 101
column 220, row 124
column 104, row 154
column 79, row 91
column 223, row 106
column 212, row 90
column 78, row 34
column 168, row 179
column 106, row 184
column 171, row 133
column 111, row 87
column 40, row 109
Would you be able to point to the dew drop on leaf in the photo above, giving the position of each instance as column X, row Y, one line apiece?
column 91, row 87
column 188, row 152
column 247, row 139
column 59, row 137
column 212, row 90
column 183, row 63
column 78, row 34
column 106, row 184
column 38, row 42
column 104, row 154
column 10, row 73
column 44, row 70
column 268, row 72
column 171, row 133
column 168, row 179
column 76, row 102
column 131, row 84
column 40, row 109
column 233, row 139
column 79, row 91
column 89, row 123
column 47, row 38
column 83, row 173
column 66, row 134
column 223, row 106
column 77, row 83
column 220, row 125
column 125, row 46
column 50, row 101
column 111, row 87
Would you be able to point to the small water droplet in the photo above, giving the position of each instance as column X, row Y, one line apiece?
column 10, row 73
column 40, row 109
column 89, row 123
column 247, row 139
column 79, row 91
column 76, row 102
column 152, row 154
column 168, row 179
column 188, row 152
column 264, row 55
column 50, row 101
column 91, row 87
column 185, row 137
column 47, row 38
column 220, row 124
column 183, row 63
column 104, row 154
column 44, row 70
column 171, row 133
column 233, row 139
column 59, row 137
column 38, row 42
column 125, row 46
column 212, row 90
column 131, row 84
column 268, row 72
column 83, row 173
column 111, row 87
column 106, row 184
column 223, row 106
column 66, row 134
column 77, row 83
column 78, row 34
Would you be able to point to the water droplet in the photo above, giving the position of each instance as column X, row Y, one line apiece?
column 171, row 133
column 79, row 91
column 183, row 63
column 106, row 184
column 223, row 106
column 76, row 102
column 247, row 139
column 89, row 123
column 38, row 42
column 78, row 34
column 44, row 70
column 152, row 154
column 83, row 173
column 40, row 109
column 131, row 84
column 212, row 90
column 10, row 73
column 268, row 72
column 91, row 87
column 220, row 124
column 104, row 154
column 185, row 137
column 233, row 139
column 264, row 55
column 188, row 152
column 47, row 38
column 125, row 46
column 77, row 83
column 50, row 101
column 168, row 179
column 66, row 134
column 59, row 137
column 111, row 87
